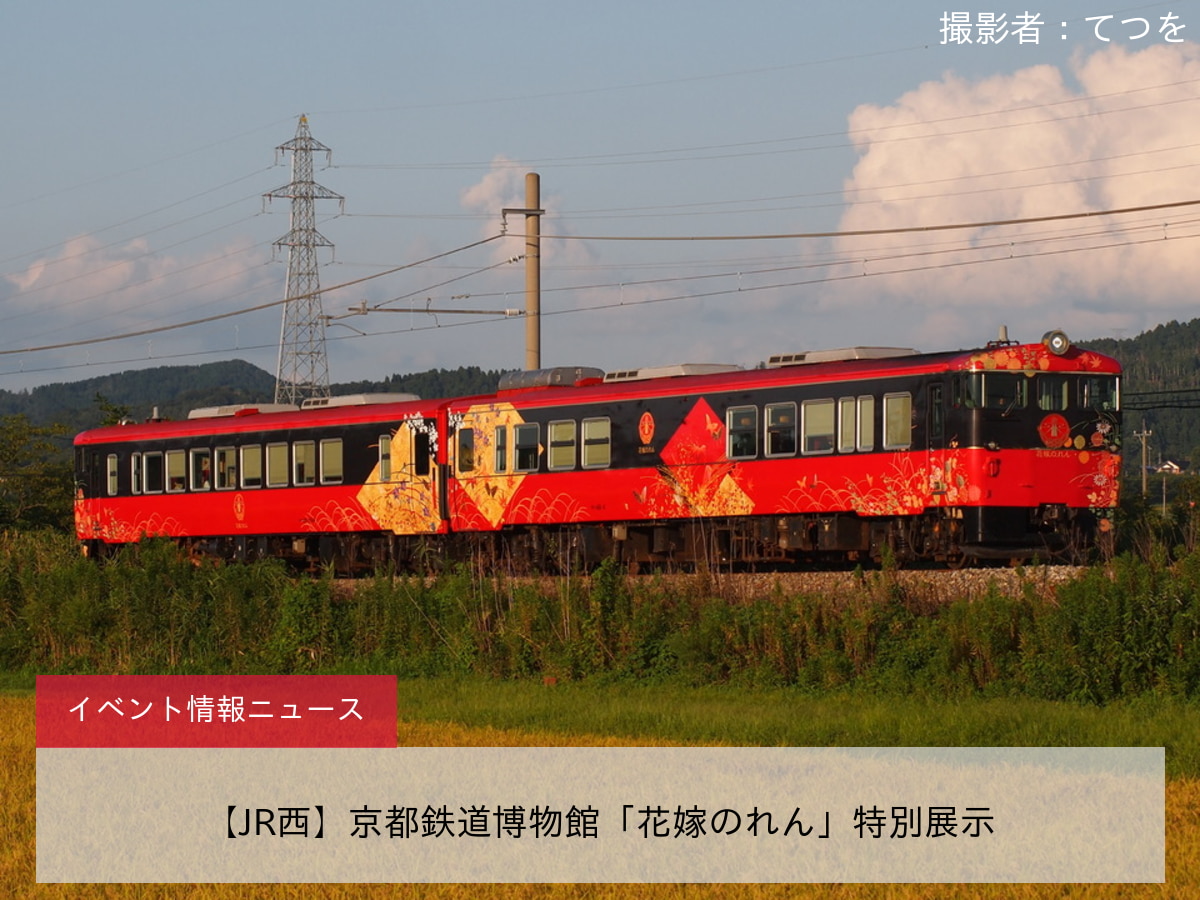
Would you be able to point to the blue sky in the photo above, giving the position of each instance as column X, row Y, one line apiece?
column 140, row 139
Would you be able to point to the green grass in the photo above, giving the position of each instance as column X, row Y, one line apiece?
column 784, row 717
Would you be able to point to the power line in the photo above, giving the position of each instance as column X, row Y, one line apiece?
column 144, row 215
column 854, row 276
column 114, row 175
column 1167, row 393
column 739, row 289
column 666, row 82
column 241, row 312
column 840, row 198
column 909, row 252
column 676, row 154
column 583, row 309
column 870, row 232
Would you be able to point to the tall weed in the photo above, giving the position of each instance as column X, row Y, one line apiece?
column 1125, row 629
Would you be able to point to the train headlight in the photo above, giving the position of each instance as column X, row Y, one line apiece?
column 1057, row 342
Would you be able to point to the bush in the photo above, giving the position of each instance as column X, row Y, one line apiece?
column 1127, row 629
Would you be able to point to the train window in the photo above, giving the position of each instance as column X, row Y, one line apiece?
column 135, row 472
column 526, row 438
column 176, row 471
column 937, row 416
column 817, row 424
column 1053, row 392
column 741, row 423
column 252, row 466
column 866, row 423
column 967, row 388
column 226, row 468
column 781, row 429
column 562, row 445
column 422, row 453
column 1005, row 391
column 111, row 474
column 385, row 457
column 152, row 473
column 277, row 465
column 304, row 463
column 597, row 443
column 1099, row 392
column 847, row 425
column 331, row 461
column 897, row 421
column 201, row 469
column 501, row 448
column 466, row 450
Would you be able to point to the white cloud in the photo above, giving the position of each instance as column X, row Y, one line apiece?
column 504, row 187
column 87, row 289
column 1119, row 130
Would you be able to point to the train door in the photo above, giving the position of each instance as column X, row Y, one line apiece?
column 493, row 451
column 404, row 492
column 86, row 478
column 935, row 440
column 95, row 473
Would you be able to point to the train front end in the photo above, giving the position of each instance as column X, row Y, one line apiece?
column 1039, row 426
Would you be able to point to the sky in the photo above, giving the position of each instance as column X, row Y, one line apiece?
column 719, row 184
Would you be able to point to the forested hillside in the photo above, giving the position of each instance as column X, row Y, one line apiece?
column 174, row 390
column 1161, row 391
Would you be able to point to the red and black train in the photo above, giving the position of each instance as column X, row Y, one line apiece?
column 1007, row 452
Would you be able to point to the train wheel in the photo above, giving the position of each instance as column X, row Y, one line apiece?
column 956, row 558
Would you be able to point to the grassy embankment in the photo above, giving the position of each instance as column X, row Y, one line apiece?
column 17, row 857
column 1128, row 630
column 1114, row 660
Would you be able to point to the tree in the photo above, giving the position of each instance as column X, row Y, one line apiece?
column 114, row 413
column 35, row 475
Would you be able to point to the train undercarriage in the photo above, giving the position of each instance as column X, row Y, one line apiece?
column 951, row 538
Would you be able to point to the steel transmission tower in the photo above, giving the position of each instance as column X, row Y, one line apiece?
column 303, row 370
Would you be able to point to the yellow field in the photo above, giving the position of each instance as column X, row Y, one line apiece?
column 17, row 855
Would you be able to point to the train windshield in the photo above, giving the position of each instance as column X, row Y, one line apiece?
column 1100, row 392
column 993, row 390
column 1047, row 391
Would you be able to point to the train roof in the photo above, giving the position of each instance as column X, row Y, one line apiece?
column 250, row 417
column 814, row 367
column 569, row 384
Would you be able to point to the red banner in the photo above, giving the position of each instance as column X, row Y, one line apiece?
column 216, row 711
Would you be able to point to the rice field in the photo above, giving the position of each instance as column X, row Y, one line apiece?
column 17, row 855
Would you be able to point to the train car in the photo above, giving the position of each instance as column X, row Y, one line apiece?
column 346, row 479
column 1010, row 452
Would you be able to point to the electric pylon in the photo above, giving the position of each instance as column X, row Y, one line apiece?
column 303, row 370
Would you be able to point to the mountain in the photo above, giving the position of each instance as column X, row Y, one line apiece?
column 174, row 390
column 1161, row 391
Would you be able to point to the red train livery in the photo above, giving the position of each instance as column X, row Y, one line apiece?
column 1010, row 451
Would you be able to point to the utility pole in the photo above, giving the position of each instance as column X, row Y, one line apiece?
column 1143, row 435
column 533, row 269
column 303, row 369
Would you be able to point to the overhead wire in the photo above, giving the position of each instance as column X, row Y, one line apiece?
column 143, row 215
column 953, row 118
column 858, row 232
column 682, row 154
column 142, row 332
column 756, row 237
column 863, row 232
column 853, row 195
column 140, row 168
column 596, row 307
